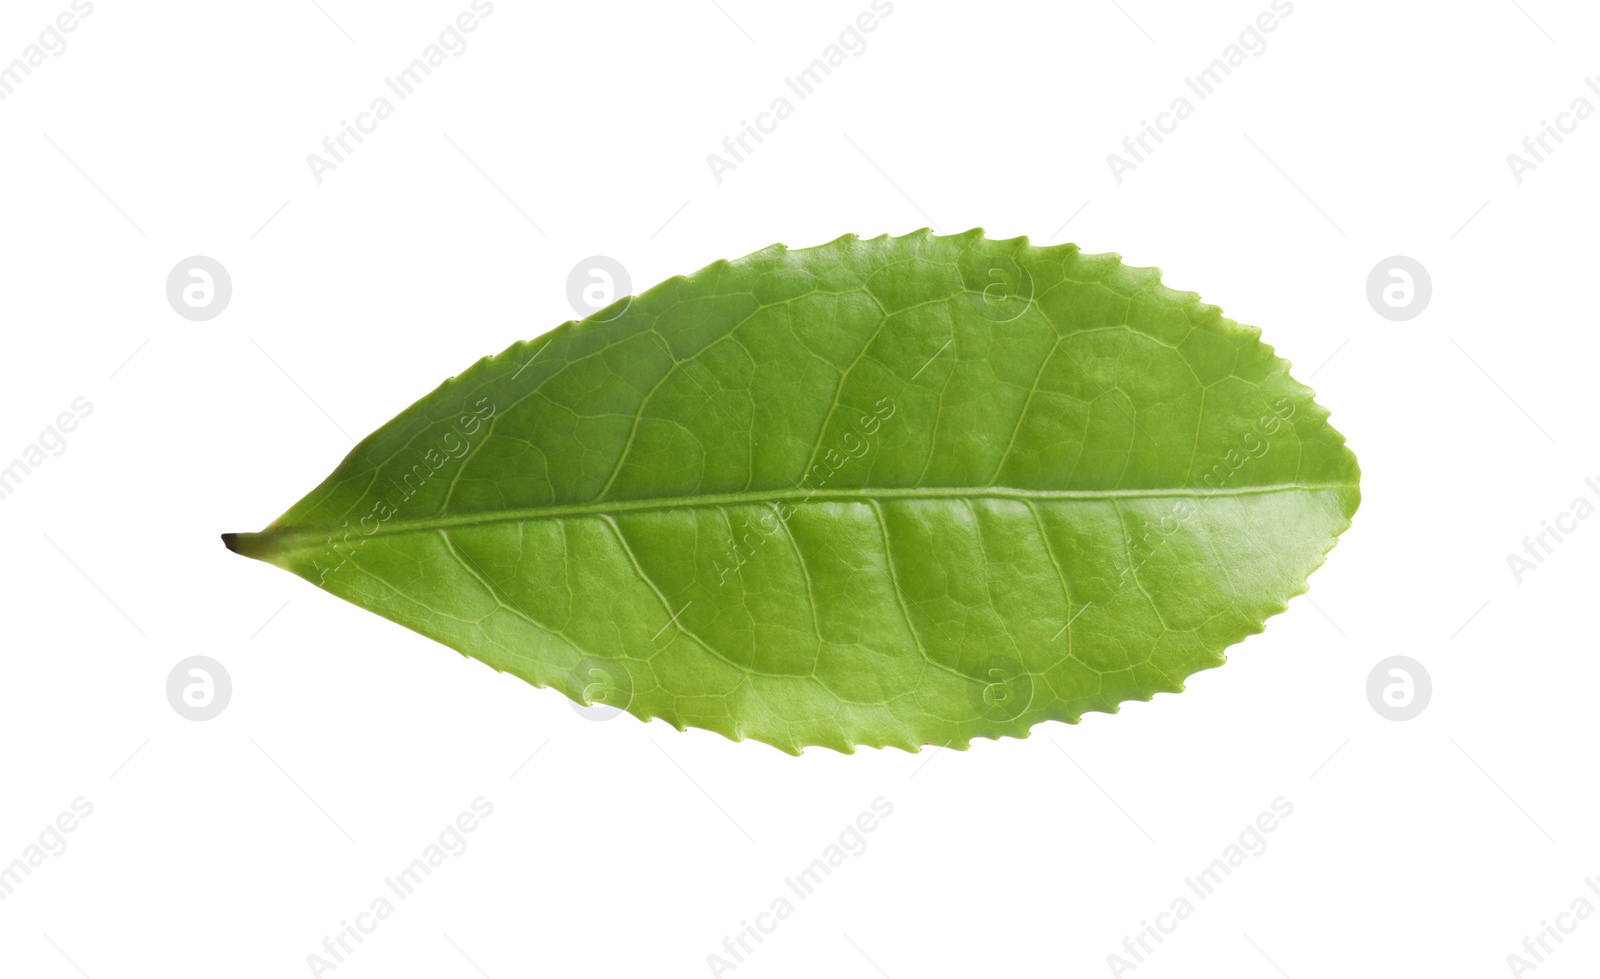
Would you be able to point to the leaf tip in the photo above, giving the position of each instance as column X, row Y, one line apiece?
column 248, row 545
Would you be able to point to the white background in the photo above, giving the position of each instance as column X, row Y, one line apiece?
column 233, row 846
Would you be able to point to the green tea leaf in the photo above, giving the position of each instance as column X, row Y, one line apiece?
column 902, row 491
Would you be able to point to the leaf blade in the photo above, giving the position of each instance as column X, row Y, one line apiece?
column 879, row 492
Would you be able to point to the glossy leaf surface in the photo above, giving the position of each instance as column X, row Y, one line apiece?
column 898, row 491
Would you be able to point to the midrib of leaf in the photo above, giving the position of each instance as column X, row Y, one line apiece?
column 296, row 539
column 903, row 613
